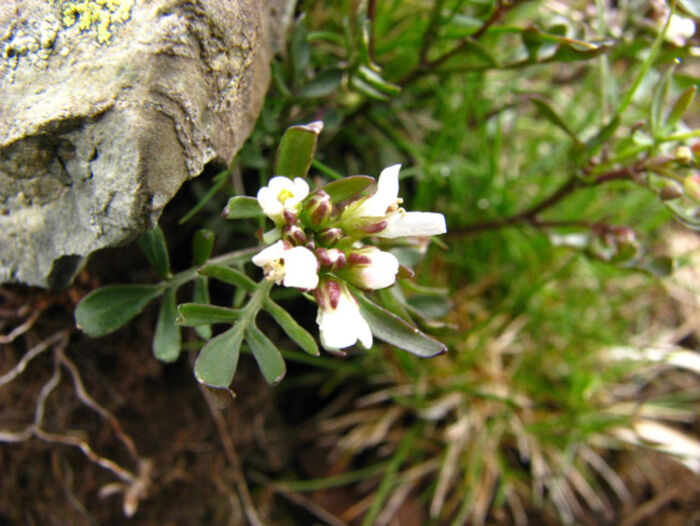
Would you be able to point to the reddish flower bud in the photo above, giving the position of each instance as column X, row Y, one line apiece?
column 330, row 236
column 318, row 209
column 294, row 234
column 331, row 258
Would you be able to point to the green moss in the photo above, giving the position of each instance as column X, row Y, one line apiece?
column 101, row 14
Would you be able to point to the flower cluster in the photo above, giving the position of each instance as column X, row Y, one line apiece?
column 323, row 248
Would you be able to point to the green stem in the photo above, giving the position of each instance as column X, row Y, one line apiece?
column 231, row 257
column 655, row 48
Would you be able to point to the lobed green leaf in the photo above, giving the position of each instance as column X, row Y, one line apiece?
column 200, row 295
column 218, row 359
column 322, row 85
column 296, row 332
column 348, row 187
column 167, row 340
column 201, row 314
column 392, row 329
column 202, row 246
column 296, row 150
column 153, row 245
column 109, row 308
column 269, row 358
column 242, row 207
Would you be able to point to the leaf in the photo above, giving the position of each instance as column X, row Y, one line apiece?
column 685, row 100
column 199, row 314
column 299, row 48
column 266, row 354
column 242, row 207
column 296, row 150
column 296, row 332
column 430, row 306
column 550, row 47
column 218, row 359
column 367, row 89
column 392, row 329
column 552, row 116
column 575, row 50
column 167, row 339
column 603, row 136
column 202, row 245
column 228, row 275
column 692, row 7
column 322, row 85
column 152, row 243
column 201, row 295
column 109, row 308
column 348, row 187
column 375, row 80
column 659, row 267
column 659, row 98
column 479, row 51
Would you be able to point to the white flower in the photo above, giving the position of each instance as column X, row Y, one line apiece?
column 339, row 319
column 371, row 268
column 282, row 195
column 380, row 214
column 292, row 267
column 680, row 29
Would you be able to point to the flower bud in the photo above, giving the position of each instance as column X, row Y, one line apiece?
column 331, row 258
column 371, row 268
column 318, row 209
column 691, row 184
column 684, row 155
column 670, row 190
column 294, row 233
column 330, row 236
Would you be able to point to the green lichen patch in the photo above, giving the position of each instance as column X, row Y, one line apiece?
column 101, row 14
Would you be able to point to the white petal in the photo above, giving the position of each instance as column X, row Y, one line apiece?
column 386, row 195
column 267, row 199
column 269, row 254
column 299, row 192
column 343, row 326
column 380, row 273
column 414, row 224
column 300, row 268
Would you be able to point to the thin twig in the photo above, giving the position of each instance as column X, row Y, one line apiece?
column 232, row 457
column 529, row 215
column 371, row 14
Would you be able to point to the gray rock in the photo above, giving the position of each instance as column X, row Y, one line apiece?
column 104, row 114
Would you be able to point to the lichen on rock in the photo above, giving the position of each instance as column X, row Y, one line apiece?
column 99, row 13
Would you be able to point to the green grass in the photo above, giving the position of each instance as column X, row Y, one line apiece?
column 515, row 415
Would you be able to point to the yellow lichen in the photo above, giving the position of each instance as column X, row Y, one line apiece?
column 101, row 14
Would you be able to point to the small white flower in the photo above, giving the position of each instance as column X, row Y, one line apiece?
column 680, row 29
column 339, row 319
column 371, row 268
column 381, row 215
column 291, row 267
column 282, row 195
